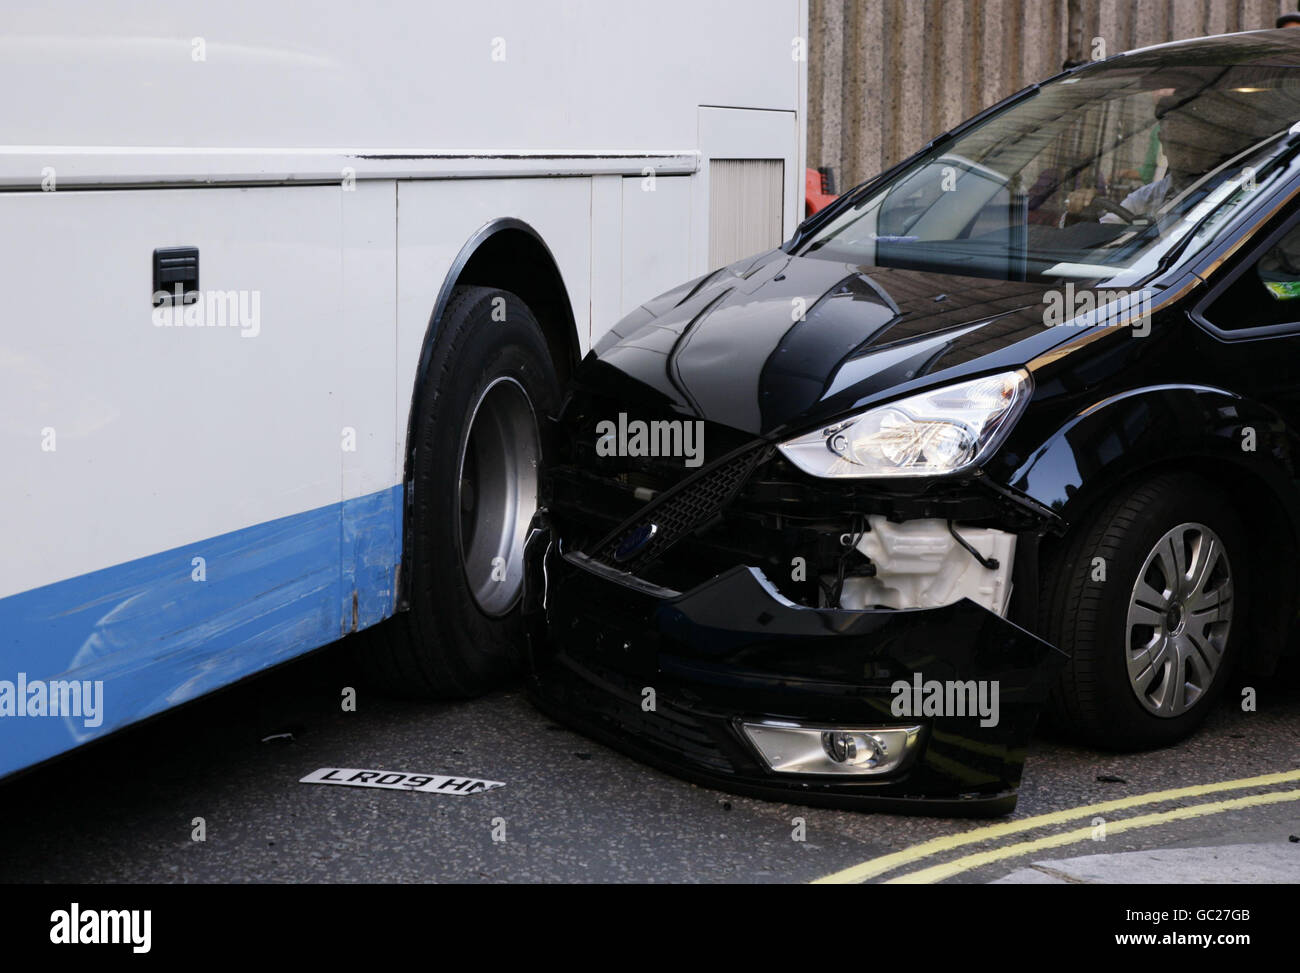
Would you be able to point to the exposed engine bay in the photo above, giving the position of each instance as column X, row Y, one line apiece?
column 926, row 564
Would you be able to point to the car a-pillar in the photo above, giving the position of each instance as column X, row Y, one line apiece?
column 501, row 341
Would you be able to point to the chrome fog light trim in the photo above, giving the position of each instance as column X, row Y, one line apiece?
column 793, row 748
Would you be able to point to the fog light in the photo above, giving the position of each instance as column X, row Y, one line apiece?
column 858, row 749
column 792, row 748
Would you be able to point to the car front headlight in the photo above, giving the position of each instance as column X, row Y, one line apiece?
column 941, row 431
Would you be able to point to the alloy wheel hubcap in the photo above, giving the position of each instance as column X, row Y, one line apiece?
column 497, row 494
column 1178, row 620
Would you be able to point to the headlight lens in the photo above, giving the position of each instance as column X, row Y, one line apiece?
column 940, row 431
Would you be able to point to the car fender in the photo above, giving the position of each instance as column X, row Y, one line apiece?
column 1148, row 430
column 1141, row 429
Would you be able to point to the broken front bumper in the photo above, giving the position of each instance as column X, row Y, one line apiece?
column 673, row 678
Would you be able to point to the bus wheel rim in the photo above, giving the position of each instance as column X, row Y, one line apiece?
column 497, row 494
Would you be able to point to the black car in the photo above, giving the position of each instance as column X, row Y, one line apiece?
column 1012, row 427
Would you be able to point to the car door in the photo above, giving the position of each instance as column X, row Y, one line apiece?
column 1252, row 315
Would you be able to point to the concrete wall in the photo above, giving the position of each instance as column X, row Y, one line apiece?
column 886, row 76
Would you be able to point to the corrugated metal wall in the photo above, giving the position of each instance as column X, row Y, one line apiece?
column 886, row 76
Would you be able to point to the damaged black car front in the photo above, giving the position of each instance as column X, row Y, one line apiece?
column 792, row 526
column 824, row 613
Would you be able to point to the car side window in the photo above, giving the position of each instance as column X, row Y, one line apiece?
column 1265, row 294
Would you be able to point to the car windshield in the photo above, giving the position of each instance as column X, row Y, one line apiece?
column 1104, row 174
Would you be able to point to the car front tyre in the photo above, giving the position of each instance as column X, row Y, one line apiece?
column 1147, row 597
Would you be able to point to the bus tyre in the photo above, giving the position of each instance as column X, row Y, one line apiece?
column 1148, row 598
column 477, row 453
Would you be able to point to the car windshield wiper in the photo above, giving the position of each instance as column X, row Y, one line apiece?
column 1213, row 203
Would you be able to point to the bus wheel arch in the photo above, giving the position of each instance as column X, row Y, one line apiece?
column 505, row 253
column 509, row 254
column 451, row 637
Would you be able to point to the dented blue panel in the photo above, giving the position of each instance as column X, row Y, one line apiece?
column 149, row 634
column 371, row 539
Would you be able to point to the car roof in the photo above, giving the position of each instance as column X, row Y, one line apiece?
column 1278, row 47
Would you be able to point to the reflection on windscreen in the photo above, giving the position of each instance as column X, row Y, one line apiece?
column 1096, row 176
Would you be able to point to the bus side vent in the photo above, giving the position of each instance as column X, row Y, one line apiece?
column 746, row 197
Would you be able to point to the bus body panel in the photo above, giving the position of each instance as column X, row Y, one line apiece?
column 492, row 75
column 196, row 492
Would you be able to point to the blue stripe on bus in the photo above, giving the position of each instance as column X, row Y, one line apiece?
column 157, row 637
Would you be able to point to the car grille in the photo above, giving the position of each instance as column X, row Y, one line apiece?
column 740, row 509
column 681, row 510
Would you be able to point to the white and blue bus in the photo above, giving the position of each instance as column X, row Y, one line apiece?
column 287, row 298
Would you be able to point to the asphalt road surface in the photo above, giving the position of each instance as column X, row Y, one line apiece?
column 124, row 810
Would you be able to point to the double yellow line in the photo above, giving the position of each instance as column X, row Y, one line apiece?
column 935, row 873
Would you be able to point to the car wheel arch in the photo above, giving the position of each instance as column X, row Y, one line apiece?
column 1259, row 478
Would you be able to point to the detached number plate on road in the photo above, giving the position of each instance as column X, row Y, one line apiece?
column 393, row 781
